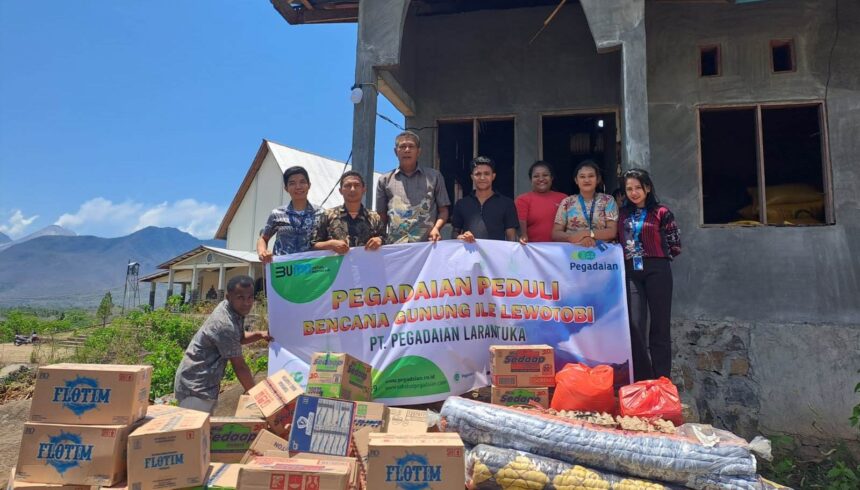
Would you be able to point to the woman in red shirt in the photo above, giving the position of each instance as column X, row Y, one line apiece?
column 650, row 237
column 536, row 209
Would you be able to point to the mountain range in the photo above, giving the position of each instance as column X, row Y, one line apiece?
column 60, row 269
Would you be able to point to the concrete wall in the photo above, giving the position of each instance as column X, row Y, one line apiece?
column 768, row 319
column 480, row 64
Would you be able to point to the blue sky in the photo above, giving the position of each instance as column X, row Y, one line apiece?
column 116, row 115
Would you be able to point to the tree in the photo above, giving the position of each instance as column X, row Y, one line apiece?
column 105, row 308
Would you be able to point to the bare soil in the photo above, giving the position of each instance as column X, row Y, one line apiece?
column 12, row 417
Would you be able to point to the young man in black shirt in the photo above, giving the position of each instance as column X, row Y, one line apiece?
column 485, row 214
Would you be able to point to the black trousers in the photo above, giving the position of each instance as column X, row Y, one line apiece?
column 649, row 291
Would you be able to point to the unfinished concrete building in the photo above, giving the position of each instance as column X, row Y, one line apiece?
column 746, row 112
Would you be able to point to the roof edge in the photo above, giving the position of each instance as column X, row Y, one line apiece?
column 221, row 234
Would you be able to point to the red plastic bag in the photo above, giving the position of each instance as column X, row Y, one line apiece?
column 653, row 398
column 579, row 387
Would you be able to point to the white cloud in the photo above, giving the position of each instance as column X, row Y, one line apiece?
column 16, row 224
column 101, row 217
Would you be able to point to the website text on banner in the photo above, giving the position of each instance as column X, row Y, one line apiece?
column 424, row 315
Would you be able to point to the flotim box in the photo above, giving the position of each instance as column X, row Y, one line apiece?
column 169, row 451
column 21, row 485
column 336, row 375
column 73, row 455
column 230, row 437
column 91, row 394
column 522, row 365
column 426, row 461
column 322, row 426
column 519, row 396
column 294, row 474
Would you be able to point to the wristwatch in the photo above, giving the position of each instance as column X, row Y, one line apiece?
column 591, row 232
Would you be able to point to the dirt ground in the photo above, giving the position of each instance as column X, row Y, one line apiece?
column 12, row 418
column 15, row 354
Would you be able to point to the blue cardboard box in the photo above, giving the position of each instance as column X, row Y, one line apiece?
column 322, row 426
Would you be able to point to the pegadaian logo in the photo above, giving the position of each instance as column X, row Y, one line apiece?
column 413, row 473
column 583, row 255
column 65, row 451
column 81, row 395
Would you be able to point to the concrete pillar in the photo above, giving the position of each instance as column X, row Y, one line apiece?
column 380, row 32
column 152, row 294
column 195, row 294
column 169, row 283
column 222, row 272
column 621, row 24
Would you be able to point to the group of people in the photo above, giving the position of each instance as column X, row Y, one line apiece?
column 412, row 205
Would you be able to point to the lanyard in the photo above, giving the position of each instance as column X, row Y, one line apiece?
column 588, row 216
column 638, row 222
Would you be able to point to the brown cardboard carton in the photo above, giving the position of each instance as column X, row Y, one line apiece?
column 246, row 408
column 519, row 396
column 13, row 485
column 275, row 397
column 369, row 414
column 91, row 394
column 73, row 454
column 288, row 474
column 223, row 476
column 430, row 461
column 338, row 375
column 522, row 365
column 230, row 437
column 405, row 421
column 352, row 462
column 266, row 442
column 170, row 451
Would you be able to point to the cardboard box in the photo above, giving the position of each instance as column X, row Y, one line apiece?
column 266, row 442
column 230, row 437
column 223, row 476
column 170, row 451
column 287, row 474
column 322, row 426
column 429, row 461
column 275, row 397
column 519, row 396
column 352, row 462
column 90, row 394
column 369, row 414
column 73, row 454
column 338, row 375
column 246, row 408
column 13, row 485
column 160, row 410
column 405, row 421
column 522, row 365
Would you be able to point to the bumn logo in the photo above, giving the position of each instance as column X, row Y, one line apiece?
column 65, row 451
column 81, row 395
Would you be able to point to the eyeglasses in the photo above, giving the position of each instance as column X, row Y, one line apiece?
column 406, row 146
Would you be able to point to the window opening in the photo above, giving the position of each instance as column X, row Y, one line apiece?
column 709, row 61
column 791, row 171
column 457, row 146
column 570, row 139
column 782, row 56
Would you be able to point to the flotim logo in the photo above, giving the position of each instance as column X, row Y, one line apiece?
column 583, row 255
column 81, row 395
column 65, row 451
column 413, row 473
column 302, row 281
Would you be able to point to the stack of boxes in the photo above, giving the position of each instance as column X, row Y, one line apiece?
column 81, row 418
column 521, row 374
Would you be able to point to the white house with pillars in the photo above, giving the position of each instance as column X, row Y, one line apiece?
column 203, row 273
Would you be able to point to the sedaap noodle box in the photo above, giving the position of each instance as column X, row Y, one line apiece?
column 522, row 365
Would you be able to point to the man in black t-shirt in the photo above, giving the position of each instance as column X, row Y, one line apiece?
column 484, row 213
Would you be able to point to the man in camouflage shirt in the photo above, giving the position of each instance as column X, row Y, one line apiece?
column 351, row 224
column 198, row 379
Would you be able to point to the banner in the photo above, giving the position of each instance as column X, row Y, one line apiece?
column 424, row 315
